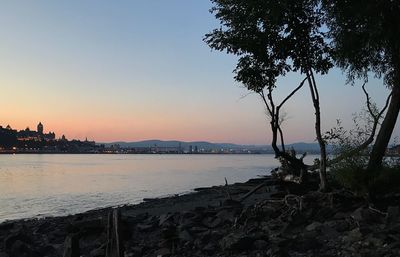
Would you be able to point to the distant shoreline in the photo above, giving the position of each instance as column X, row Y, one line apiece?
column 102, row 153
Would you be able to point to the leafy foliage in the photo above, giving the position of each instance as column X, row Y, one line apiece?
column 351, row 171
column 362, row 182
column 271, row 38
column 365, row 36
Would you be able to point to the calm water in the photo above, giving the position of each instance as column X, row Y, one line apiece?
column 53, row 185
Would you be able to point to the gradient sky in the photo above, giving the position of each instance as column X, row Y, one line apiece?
column 135, row 70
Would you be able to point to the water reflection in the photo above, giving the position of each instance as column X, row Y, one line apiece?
column 32, row 185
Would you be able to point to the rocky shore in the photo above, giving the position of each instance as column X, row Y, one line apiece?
column 261, row 217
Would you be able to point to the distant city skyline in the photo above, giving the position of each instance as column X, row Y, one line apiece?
column 138, row 70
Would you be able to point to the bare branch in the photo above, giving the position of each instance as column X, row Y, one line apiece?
column 265, row 102
column 371, row 112
column 371, row 137
column 386, row 105
column 245, row 95
column 292, row 93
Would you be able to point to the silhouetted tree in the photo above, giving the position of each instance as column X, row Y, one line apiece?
column 272, row 38
column 365, row 36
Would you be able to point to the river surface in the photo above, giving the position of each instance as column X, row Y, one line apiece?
column 35, row 185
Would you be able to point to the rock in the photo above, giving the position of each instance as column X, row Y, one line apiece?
column 366, row 215
column 199, row 209
column 393, row 213
column 6, row 226
column 232, row 203
column 21, row 249
column 306, row 243
column 373, row 216
column 217, row 234
column 136, row 251
column 145, row 227
column 357, row 214
column 169, row 232
column 324, row 213
column 270, row 212
column 136, row 218
column 185, row 236
column 186, row 223
column 277, row 252
column 212, row 222
column 99, row 252
column 11, row 239
column 297, row 218
column 163, row 252
column 163, row 218
column 188, row 214
column 313, row 226
column 48, row 250
column 340, row 215
column 235, row 241
column 260, row 244
column 374, row 242
column 329, row 232
column 342, row 225
column 226, row 216
column 91, row 226
column 198, row 229
column 209, row 248
column 353, row 236
column 57, row 236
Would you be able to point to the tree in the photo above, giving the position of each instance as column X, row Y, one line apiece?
column 365, row 38
column 272, row 38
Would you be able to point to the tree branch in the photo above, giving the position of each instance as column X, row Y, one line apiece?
column 292, row 93
column 369, row 103
column 371, row 137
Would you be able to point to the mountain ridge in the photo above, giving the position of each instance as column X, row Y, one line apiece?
column 298, row 146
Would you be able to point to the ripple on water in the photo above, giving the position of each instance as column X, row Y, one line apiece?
column 54, row 185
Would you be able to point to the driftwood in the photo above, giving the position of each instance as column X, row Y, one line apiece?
column 114, row 244
column 71, row 246
column 269, row 182
column 227, row 189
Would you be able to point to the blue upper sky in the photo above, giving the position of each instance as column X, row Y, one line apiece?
column 132, row 70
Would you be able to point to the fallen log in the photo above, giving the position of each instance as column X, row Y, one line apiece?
column 253, row 191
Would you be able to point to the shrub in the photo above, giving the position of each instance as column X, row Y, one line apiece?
column 369, row 183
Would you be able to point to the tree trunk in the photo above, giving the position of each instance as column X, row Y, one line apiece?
column 386, row 129
column 315, row 98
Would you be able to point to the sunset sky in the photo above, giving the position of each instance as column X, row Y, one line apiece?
column 136, row 70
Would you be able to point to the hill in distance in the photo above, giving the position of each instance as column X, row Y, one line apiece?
column 301, row 146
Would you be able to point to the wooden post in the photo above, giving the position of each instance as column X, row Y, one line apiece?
column 71, row 246
column 114, row 247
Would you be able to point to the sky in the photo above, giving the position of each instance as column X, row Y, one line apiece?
column 136, row 70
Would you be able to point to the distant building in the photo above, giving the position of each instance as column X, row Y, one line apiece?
column 27, row 134
column 40, row 128
column 30, row 141
column 395, row 150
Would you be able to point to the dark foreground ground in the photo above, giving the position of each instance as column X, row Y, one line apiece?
column 277, row 220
